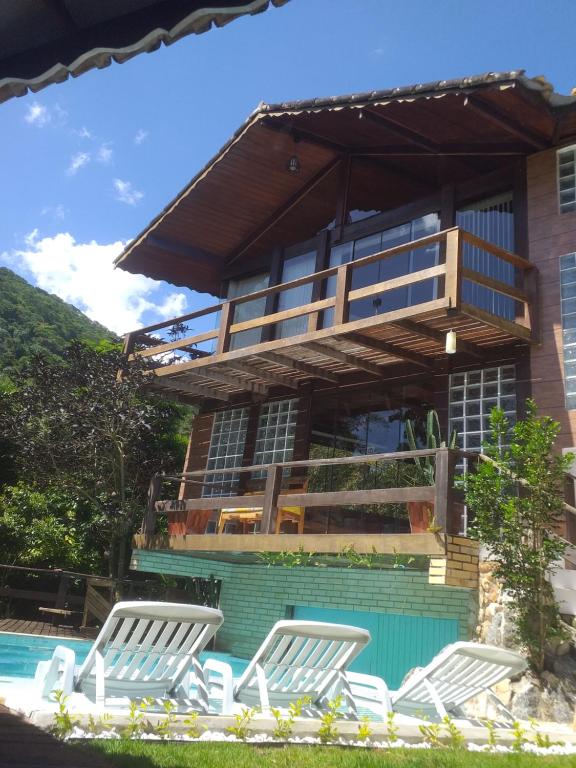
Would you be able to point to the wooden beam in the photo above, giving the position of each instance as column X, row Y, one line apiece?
column 345, row 357
column 399, row 129
column 254, row 370
column 233, row 381
column 335, row 543
column 189, row 252
column 302, row 134
column 390, row 349
column 443, row 150
column 300, row 365
column 503, row 121
column 286, row 208
column 420, row 329
column 176, row 385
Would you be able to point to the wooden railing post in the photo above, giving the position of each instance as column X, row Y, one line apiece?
column 453, row 281
column 226, row 317
column 444, row 509
column 271, row 493
column 531, row 307
column 343, row 279
column 149, row 522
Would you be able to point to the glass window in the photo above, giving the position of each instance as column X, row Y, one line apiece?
column 493, row 221
column 472, row 397
column 295, row 267
column 276, row 432
column 226, row 450
column 567, row 179
column 568, row 311
column 249, row 310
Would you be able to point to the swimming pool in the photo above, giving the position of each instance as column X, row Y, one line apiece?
column 19, row 654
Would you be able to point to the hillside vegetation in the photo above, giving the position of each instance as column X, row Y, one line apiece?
column 33, row 321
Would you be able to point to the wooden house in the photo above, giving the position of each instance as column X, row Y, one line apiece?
column 372, row 257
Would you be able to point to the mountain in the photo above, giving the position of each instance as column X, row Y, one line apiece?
column 32, row 321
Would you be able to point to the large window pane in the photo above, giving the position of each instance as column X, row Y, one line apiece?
column 295, row 267
column 248, row 310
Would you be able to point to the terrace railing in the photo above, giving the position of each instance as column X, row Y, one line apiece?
column 169, row 343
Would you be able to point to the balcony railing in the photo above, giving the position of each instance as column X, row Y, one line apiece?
column 365, row 482
column 341, row 317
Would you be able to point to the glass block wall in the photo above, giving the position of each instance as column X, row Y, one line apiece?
column 226, row 450
column 276, row 431
column 568, row 310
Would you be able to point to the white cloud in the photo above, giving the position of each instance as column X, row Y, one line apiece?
column 84, row 133
column 37, row 114
column 125, row 192
column 104, row 154
column 79, row 160
column 83, row 274
column 56, row 211
column 141, row 135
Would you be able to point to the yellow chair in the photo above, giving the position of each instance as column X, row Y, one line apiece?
column 246, row 516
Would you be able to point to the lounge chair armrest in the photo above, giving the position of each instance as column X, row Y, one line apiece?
column 58, row 673
column 219, row 678
column 369, row 691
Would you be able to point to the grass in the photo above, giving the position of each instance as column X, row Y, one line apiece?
column 140, row 754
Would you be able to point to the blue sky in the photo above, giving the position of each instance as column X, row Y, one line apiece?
column 86, row 164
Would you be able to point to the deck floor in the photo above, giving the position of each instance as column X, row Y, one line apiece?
column 23, row 744
column 30, row 627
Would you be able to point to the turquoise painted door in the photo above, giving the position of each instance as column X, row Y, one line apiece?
column 398, row 644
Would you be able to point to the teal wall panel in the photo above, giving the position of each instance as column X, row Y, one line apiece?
column 398, row 643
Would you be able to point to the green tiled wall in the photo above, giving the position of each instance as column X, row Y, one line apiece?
column 253, row 597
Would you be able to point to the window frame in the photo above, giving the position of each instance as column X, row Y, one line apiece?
column 572, row 203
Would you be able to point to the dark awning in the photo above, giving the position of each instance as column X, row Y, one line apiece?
column 46, row 42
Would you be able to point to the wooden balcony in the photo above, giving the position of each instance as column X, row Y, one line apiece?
column 365, row 482
column 338, row 339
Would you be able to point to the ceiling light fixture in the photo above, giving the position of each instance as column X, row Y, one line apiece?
column 294, row 164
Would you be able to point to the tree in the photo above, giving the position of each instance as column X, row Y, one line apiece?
column 81, row 428
column 516, row 498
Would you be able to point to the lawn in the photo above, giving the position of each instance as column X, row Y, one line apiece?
column 140, row 754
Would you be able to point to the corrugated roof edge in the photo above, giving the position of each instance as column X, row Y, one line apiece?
column 439, row 87
column 198, row 22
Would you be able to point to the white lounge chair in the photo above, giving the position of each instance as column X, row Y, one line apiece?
column 297, row 659
column 457, row 674
column 144, row 649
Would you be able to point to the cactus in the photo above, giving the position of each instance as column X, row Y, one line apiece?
column 426, row 465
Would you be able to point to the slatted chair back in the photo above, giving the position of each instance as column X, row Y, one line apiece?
column 459, row 673
column 300, row 659
column 147, row 649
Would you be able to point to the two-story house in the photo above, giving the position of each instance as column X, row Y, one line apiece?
column 372, row 257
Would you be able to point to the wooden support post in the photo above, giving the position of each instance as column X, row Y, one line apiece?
column 271, row 493
column 453, row 283
column 444, row 508
column 531, row 317
column 343, row 279
column 318, row 286
column 226, row 318
column 149, row 522
column 62, row 594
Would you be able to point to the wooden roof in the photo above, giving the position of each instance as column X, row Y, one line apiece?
column 46, row 42
column 245, row 200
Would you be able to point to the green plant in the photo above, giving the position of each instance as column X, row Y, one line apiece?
column 97, row 726
column 284, row 726
column 364, row 729
column 519, row 737
column 402, row 561
column 432, row 734
column 455, row 735
column 491, row 728
column 357, row 559
column 516, row 498
column 165, row 726
column 64, row 723
column 391, row 727
column 288, row 559
column 542, row 740
column 136, row 721
column 328, row 731
column 193, row 730
column 242, row 722
column 426, row 466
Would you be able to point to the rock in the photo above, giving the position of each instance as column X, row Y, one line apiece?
column 526, row 701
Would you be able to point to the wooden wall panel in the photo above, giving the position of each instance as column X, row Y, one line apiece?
column 197, row 452
column 550, row 235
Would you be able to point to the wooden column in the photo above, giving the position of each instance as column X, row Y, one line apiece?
column 343, row 279
column 226, row 319
column 444, row 511
column 149, row 522
column 453, row 284
column 271, row 493
column 319, row 285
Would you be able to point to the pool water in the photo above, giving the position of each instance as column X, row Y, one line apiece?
column 19, row 654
